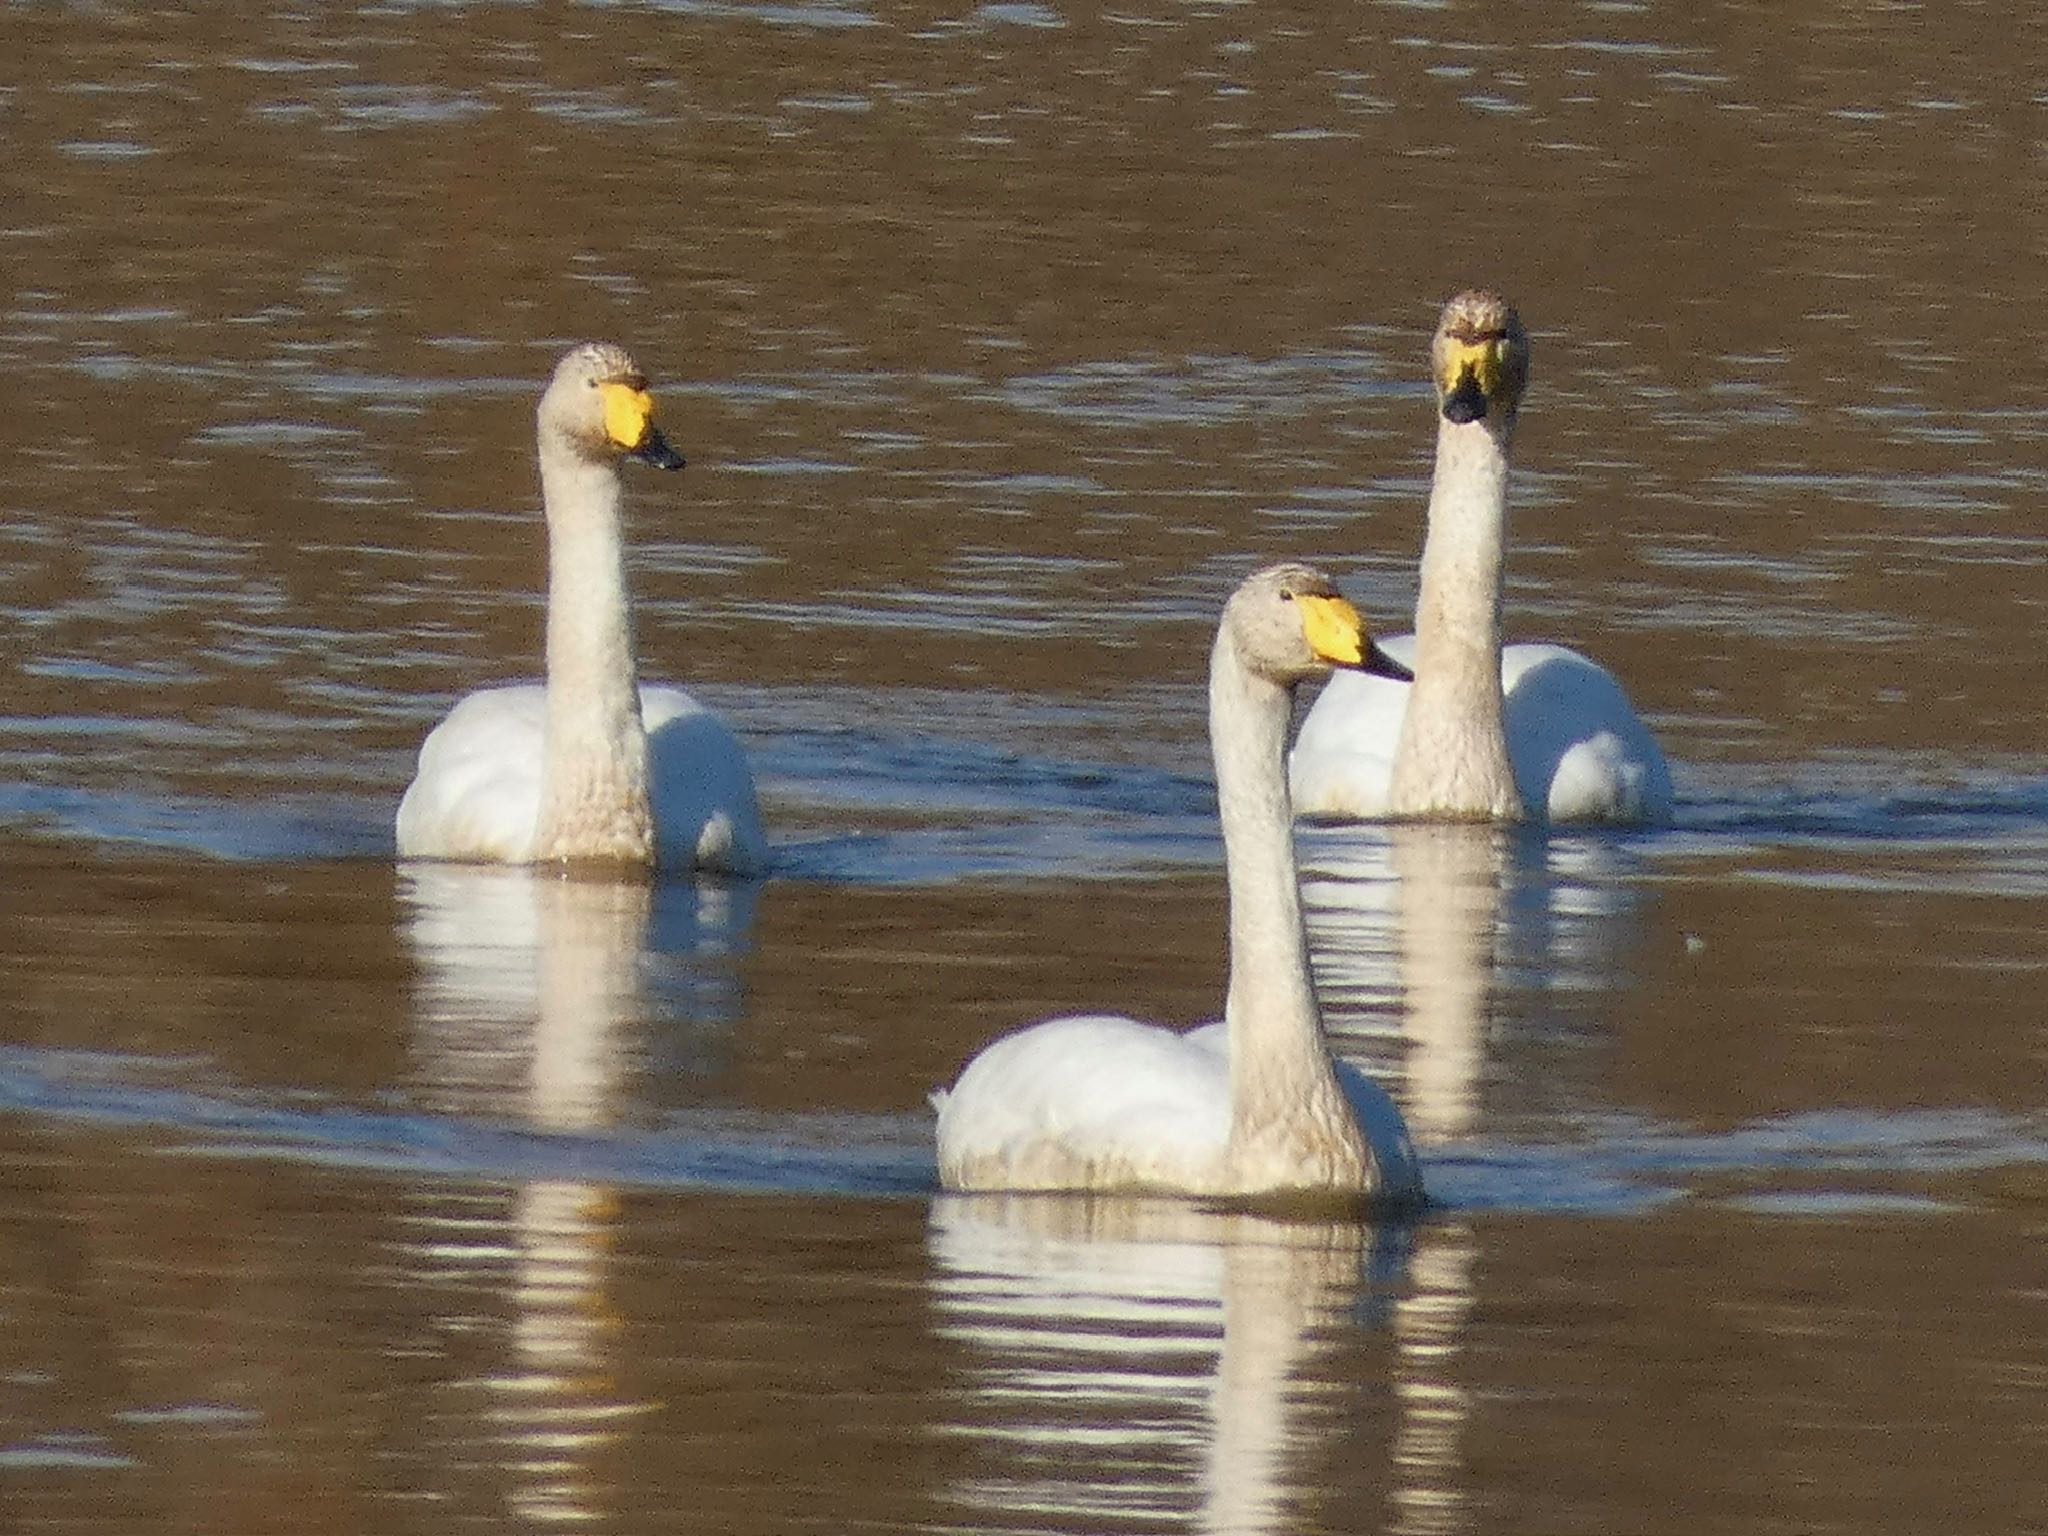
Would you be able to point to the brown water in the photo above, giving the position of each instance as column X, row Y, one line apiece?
column 1002, row 340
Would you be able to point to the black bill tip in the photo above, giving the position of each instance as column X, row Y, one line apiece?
column 656, row 451
column 1467, row 402
column 1380, row 664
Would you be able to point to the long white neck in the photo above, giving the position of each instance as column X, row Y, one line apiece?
column 593, row 803
column 1452, row 759
column 1290, row 1125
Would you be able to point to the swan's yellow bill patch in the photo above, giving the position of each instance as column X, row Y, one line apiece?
column 628, row 413
column 1335, row 631
column 1486, row 361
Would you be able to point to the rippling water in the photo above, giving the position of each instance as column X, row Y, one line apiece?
column 1002, row 340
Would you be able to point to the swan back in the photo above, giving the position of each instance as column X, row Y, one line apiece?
column 1578, row 750
column 477, row 794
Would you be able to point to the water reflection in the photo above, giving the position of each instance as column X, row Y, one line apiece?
column 532, row 1007
column 1404, row 924
column 536, row 991
column 1174, row 1338
column 1415, row 929
column 1176, row 1342
column 1430, row 1494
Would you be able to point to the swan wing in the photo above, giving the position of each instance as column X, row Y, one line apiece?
column 1577, row 745
column 1093, row 1102
column 476, row 794
column 702, row 792
column 1343, row 757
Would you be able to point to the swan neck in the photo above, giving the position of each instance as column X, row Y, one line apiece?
column 1290, row 1123
column 594, row 803
column 1452, row 759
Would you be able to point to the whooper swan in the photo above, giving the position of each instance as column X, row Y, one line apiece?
column 589, row 767
column 1251, row 1106
column 1485, row 732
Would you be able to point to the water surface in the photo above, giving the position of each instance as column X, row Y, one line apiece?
column 1002, row 341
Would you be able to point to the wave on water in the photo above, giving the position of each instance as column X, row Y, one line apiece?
column 1982, row 833
column 276, row 829
column 1815, row 1163
column 845, row 806
column 726, row 1150
column 1868, row 801
column 1616, row 1164
column 902, row 806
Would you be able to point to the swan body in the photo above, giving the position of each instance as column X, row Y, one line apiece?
column 589, row 767
column 1576, row 747
column 1250, row 1106
column 478, row 793
column 1486, row 731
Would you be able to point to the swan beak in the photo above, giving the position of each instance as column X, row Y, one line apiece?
column 654, row 449
column 1380, row 664
column 1476, row 378
column 629, row 423
column 1333, row 629
column 1466, row 401
column 1337, row 635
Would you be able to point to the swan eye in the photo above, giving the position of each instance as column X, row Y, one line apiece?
column 1287, row 594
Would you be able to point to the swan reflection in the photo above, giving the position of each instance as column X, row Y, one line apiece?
column 1416, row 928
column 1430, row 1496
column 537, row 991
column 1419, row 932
column 534, row 1002
column 1165, row 1342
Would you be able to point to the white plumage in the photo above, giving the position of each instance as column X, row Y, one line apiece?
column 1486, row 731
column 589, row 767
column 1109, row 1092
column 1575, row 745
column 478, row 790
column 1251, row 1106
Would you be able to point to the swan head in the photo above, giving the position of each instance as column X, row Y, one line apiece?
column 1479, row 359
column 598, row 402
column 1289, row 624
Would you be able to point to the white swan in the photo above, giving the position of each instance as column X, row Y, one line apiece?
column 1254, row 1105
column 1485, row 732
column 590, row 766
